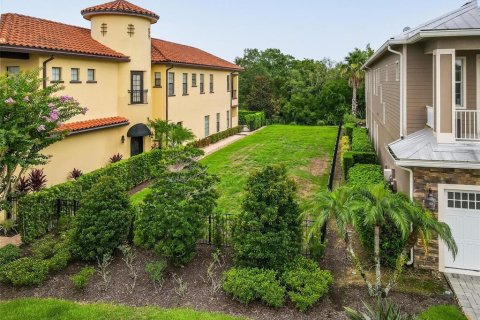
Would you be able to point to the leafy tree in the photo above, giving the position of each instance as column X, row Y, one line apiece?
column 352, row 69
column 103, row 221
column 29, row 121
column 267, row 233
column 261, row 97
column 378, row 204
column 172, row 217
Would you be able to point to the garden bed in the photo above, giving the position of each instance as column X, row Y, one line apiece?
column 199, row 296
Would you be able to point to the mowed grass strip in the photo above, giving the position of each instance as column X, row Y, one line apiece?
column 306, row 151
column 53, row 309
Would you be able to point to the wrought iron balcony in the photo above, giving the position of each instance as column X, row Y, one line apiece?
column 138, row 96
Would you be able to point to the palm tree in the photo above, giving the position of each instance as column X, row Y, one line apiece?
column 170, row 134
column 352, row 68
column 373, row 207
column 179, row 135
column 160, row 130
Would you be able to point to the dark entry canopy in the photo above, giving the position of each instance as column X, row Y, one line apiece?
column 139, row 130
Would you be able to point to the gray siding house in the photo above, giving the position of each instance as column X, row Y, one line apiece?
column 423, row 115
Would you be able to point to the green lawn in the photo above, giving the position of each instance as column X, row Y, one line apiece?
column 443, row 313
column 306, row 152
column 51, row 309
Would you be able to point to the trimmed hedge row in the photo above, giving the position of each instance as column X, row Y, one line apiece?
column 216, row 137
column 349, row 130
column 253, row 119
column 362, row 175
column 36, row 211
column 360, row 141
column 351, row 158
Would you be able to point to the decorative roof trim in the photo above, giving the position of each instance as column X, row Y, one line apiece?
column 201, row 66
column 93, row 124
column 72, row 133
column 9, row 48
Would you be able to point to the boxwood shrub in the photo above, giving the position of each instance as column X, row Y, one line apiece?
column 249, row 284
column 360, row 141
column 361, row 175
column 24, row 272
column 216, row 137
column 36, row 211
column 349, row 130
column 305, row 282
column 9, row 253
column 351, row 158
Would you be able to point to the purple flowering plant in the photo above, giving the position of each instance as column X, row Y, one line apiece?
column 30, row 116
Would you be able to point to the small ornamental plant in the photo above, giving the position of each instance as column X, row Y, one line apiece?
column 75, row 174
column 30, row 120
column 116, row 158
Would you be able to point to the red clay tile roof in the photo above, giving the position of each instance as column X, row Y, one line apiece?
column 119, row 7
column 93, row 124
column 33, row 33
column 165, row 52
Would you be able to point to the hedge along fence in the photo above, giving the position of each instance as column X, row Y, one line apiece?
column 253, row 119
column 360, row 141
column 362, row 175
column 216, row 137
column 362, row 151
column 37, row 212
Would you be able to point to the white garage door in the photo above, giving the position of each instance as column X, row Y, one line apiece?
column 462, row 214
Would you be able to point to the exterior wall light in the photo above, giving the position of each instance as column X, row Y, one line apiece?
column 123, row 139
column 430, row 202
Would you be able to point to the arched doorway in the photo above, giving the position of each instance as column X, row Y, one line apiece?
column 137, row 134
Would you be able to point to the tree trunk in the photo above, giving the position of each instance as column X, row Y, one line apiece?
column 354, row 101
column 378, row 271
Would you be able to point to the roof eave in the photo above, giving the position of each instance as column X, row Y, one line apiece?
column 114, row 125
column 87, row 15
column 425, row 34
column 202, row 66
column 11, row 48
column 437, row 164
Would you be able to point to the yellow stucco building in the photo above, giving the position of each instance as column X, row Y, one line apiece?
column 124, row 77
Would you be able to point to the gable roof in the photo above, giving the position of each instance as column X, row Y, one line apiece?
column 34, row 34
column 170, row 52
column 93, row 124
column 464, row 21
column 119, row 7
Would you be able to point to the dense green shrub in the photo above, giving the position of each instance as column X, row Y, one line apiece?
column 172, row 217
column 44, row 248
column 82, row 278
column 349, row 118
column 60, row 259
column 9, row 253
column 216, row 137
column 103, row 221
column 253, row 119
column 156, row 270
column 351, row 158
column 249, row 284
column 305, row 282
column 24, row 272
column 360, row 141
column 344, row 144
column 267, row 233
column 392, row 242
column 55, row 252
column 349, row 130
column 363, row 175
column 36, row 211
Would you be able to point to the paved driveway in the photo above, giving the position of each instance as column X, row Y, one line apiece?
column 467, row 290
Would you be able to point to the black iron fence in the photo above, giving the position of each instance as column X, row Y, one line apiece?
column 218, row 232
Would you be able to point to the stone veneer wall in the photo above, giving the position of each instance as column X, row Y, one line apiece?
column 429, row 178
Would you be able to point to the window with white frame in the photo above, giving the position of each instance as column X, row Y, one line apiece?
column 207, row 126
column 74, row 75
column 91, row 75
column 185, row 84
column 397, row 70
column 460, row 82
column 171, row 84
column 56, row 74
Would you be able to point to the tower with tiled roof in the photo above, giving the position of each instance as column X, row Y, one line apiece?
column 125, row 28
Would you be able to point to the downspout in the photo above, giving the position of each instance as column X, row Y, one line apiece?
column 402, row 80
column 166, row 92
column 44, row 70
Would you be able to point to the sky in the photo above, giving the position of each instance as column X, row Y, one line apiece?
column 303, row 28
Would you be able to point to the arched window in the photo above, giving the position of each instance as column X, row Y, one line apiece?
column 103, row 29
column 131, row 30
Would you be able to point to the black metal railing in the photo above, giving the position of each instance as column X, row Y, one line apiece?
column 138, row 96
column 331, row 177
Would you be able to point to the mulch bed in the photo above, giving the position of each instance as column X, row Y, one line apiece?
column 199, row 293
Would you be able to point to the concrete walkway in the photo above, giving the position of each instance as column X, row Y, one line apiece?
column 467, row 291
column 15, row 240
column 227, row 141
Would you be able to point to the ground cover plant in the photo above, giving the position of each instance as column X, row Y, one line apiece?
column 445, row 312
